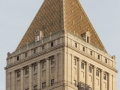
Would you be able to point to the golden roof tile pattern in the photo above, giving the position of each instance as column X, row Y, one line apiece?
column 57, row 15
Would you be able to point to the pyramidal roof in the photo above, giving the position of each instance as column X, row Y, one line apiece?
column 57, row 15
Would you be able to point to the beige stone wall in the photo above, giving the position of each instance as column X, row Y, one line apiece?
column 72, row 66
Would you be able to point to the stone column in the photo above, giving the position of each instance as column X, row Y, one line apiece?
column 101, row 80
column 22, row 78
column 109, row 81
column 94, row 78
column 56, row 67
column 47, row 72
column 79, row 68
column 13, row 80
column 30, row 77
column 86, row 72
column 38, row 76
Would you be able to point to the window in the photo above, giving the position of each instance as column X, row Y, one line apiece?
column 43, row 64
column 91, row 53
column 98, row 56
column 84, row 49
column 75, row 61
column 37, row 38
column 18, row 58
column 52, row 60
column 43, row 73
column 76, row 45
column 75, row 82
column 105, row 60
column 35, row 87
column 88, row 39
column 43, row 85
column 18, row 74
column 26, row 54
column 26, row 71
column 105, row 77
column 82, row 65
column 43, row 47
column 52, row 70
column 35, row 68
column 90, row 69
column 97, row 73
column 51, row 44
column 52, row 82
column 34, row 51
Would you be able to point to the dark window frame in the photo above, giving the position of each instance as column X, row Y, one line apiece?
column 26, row 71
column 52, row 82
column 43, row 85
column 82, row 65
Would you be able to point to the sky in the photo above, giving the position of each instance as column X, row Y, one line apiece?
column 17, row 15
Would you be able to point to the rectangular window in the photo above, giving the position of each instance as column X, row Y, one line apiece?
column 75, row 61
column 98, row 56
column 105, row 60
column 82, row 65
column 35, row 87
column 52, row 60
column 88, row 40
column 75, row 83
column 18, row 74
column 43, row 85
column 52, row 82
column 52, row 44
column 84, row 49
column 91, row 53
column 97, row 73
column 76, row 45
column 26, row 71
column 43, row 47
column 43, row 64
column 34, row 51
column 105, row 76
column 35, row 68
column 18, row 58
column 26, row 54
column 90, row 69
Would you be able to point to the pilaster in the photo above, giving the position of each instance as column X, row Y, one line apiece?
column 109, row 81
column 38, row 76
column 22, row 85
column 13, row 80
column 94, row 78
column 47, row 72
column 30, row 77
column 86, row 72
column 101, row 78
column 79, row 70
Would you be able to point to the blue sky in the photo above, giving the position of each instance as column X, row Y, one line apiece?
column 16, row 16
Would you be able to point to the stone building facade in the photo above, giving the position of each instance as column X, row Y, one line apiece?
column 60, row 51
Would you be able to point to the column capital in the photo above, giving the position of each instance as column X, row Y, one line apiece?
column 22, row 68
column 47, row 58
column 101, row 70
column 30, row 65
column 94, row 66
column 86, row 63
column 38, row 62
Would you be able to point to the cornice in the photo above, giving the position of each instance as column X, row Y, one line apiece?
column 87, row 55
column 35, row 55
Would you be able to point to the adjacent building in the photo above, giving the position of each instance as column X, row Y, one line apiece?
column 60, row 51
